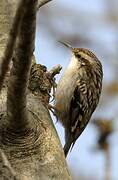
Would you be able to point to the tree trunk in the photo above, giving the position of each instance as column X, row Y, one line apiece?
column 30, row 147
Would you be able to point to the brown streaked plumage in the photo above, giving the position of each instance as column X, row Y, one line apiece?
column 78, row 93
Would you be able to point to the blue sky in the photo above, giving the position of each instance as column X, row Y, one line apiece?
column 50, row 53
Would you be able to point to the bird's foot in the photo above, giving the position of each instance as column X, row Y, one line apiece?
column 52, row 109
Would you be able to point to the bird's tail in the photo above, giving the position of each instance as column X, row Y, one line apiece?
column 66, row 149
column 68, row 146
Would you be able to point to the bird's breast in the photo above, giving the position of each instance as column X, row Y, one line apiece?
column 64, row 92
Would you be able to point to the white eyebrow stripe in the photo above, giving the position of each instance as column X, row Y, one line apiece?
column 85, row 56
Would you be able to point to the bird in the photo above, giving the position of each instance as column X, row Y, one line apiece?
column 77, row 94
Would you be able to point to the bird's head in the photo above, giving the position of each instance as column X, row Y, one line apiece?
column 81, row 54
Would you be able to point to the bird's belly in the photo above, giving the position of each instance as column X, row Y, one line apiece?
column 63, row 96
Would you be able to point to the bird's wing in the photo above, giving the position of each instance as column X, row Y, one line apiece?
column 79, row 105
column 83, row 103
column 78, row 110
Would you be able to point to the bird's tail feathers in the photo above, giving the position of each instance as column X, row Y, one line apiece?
column 68, row 146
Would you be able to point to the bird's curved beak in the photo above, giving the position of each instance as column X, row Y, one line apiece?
column 66, row 44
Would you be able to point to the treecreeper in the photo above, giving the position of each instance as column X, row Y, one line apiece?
column 77, row 94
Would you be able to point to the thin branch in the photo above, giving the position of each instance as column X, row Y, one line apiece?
column 51, row 75
column 55, row 70
column 17, row 88
column 42, row 3
column 16, row 100
column 108, row 164
column 11, row 41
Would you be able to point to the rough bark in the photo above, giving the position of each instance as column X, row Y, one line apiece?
column 30, row 147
